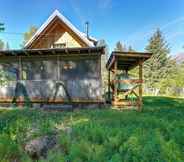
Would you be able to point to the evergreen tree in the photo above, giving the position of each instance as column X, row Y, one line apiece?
column 120, row 47
column 130, row 49
column 2, row 27
column 7, row 46
column 104, row 59
column 157, row 68
column 1, row 44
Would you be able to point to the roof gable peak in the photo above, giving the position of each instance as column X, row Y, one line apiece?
column 57, row 14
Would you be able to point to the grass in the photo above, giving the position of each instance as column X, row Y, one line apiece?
column 154, row 135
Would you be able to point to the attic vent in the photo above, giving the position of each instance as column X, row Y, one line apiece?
column 59, row 45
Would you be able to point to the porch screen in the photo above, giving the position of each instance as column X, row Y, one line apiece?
column 81, row 78
column 79, row 69
column 39, row 69
column 10, row 69
column 10, row 73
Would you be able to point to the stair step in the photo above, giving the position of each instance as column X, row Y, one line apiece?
column 57, row 106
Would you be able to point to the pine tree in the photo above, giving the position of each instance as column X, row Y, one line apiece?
column 158, row 67
column 7, row 46
column 120, row 47
column 1, row 44
column 130, row 49
column 104, row 58
column 2, row 27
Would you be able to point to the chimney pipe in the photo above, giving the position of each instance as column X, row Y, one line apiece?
column 87, row 29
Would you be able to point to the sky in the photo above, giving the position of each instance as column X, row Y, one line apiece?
column 132, row 22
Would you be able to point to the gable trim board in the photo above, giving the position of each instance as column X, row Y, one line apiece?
column 56, row 14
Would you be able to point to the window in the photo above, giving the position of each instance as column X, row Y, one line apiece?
column 59, row 45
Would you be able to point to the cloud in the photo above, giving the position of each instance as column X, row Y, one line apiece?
column 172, row 22
column 147, row 31
column 144, row 33
column 170, row 35
column 174, row 35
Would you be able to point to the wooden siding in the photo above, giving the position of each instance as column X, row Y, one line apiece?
column 57, row 32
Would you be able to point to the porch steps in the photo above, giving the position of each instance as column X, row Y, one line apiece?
column 61, row 107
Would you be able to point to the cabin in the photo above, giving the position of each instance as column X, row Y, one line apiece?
column 58, row 65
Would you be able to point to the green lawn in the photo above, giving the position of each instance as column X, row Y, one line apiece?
column 101, row 135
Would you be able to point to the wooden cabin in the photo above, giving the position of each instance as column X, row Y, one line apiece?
column 58, row 65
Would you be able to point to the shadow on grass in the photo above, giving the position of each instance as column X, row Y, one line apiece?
column 157, row 133
column 164, row 107
column 163, row 102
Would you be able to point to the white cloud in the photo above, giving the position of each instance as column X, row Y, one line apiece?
column 172, row 22
column 174, row 35
column 147, row 31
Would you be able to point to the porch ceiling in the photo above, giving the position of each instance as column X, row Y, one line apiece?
column 126, row 60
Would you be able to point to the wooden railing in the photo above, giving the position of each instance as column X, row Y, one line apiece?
column 138, row 81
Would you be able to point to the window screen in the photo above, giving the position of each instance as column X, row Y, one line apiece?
column 79, row 69
column 39, row 69
column 10, row 68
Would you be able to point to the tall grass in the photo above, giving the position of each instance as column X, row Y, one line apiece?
column 104, row 135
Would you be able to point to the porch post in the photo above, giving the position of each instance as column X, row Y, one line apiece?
column 20, row 68
column 115, row 87
column 109, row 82
column 58, row 68
column 140, row 86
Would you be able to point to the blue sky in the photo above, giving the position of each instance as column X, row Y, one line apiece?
column 130, row 21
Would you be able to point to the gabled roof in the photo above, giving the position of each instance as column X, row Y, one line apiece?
column 55, row 14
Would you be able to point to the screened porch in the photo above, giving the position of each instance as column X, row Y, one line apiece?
column 51, row 75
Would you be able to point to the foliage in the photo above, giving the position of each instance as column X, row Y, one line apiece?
column 27, row 35
column 104, row 58
column 9, row 149
column 120, row 47
column 7, row 46
column 2, row 27
column 3, row 78
column 159, row 66
column 130, row 49
column 1, row 44
column 174, row 83
column 104, row 135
